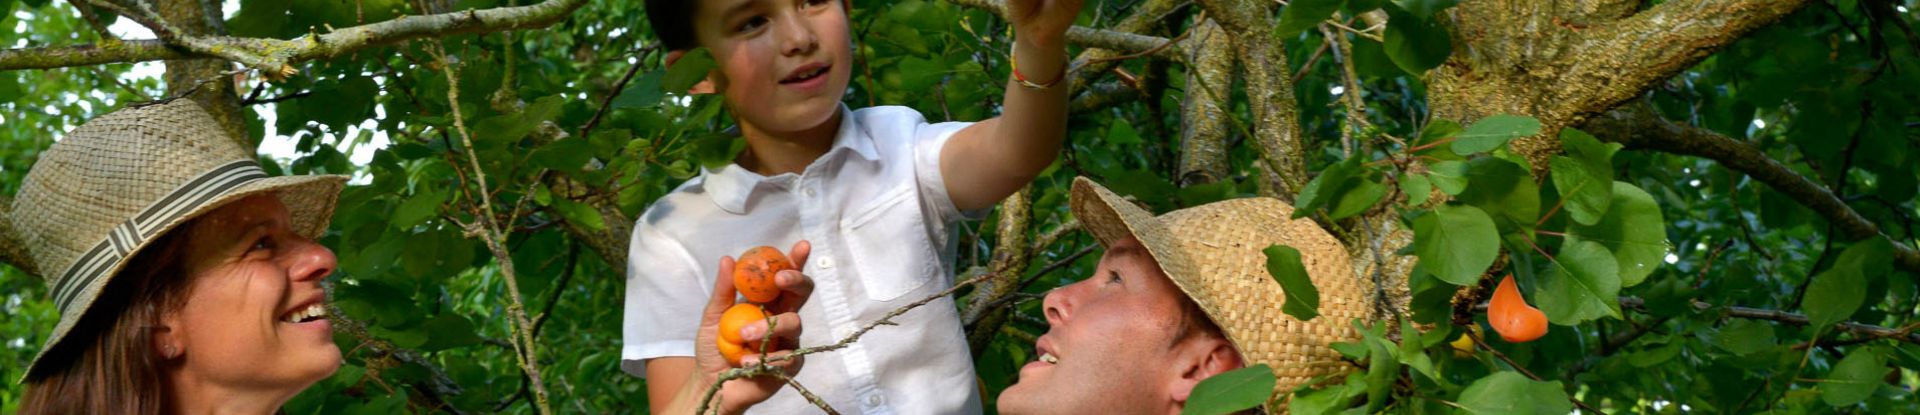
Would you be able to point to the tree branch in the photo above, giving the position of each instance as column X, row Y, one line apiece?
column 1009, row 259
column 275, row 57
column 1638, row 126
column 1263, row 64
column 1203, row 116
column 1089, row 37
column 1618, row 60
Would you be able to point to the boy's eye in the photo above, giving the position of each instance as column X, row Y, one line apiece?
column 818, row 2
column 751, row 23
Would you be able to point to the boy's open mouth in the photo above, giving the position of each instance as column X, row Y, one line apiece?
column 806, row 73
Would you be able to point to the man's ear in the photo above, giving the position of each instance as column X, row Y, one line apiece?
column 704, row 87
column 1199, row 359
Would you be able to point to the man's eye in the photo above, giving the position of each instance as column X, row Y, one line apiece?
column 818, row 2
column 1113, row 277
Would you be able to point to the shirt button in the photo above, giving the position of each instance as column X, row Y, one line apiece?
column 873, row 400
column 807, row 191
column 825, row 263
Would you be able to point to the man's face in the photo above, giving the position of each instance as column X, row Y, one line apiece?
column 1112, row 343
column 783, row 64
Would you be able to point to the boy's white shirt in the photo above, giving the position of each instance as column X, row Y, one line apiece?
column 876, row 211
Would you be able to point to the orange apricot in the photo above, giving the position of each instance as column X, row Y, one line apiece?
column 753, row 273
column 1510, row 315
column 731, row 345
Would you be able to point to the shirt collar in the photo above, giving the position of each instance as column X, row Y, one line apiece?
column 731, row 186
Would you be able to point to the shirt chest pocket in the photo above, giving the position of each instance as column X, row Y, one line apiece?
column 891, row 249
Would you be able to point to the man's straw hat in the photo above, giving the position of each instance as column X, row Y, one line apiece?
column 1213, row 252
column 115, row 184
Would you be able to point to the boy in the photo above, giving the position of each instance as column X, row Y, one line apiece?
column 875, row 192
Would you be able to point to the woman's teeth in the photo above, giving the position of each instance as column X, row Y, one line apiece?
column 312, row 312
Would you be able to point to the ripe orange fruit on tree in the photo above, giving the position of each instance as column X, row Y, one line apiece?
column 1512, row 317
column 731, row 345
column 753, row 273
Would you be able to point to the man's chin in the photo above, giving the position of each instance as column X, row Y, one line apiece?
column 1017, row 400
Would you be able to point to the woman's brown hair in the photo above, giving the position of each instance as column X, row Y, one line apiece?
column 107, row 364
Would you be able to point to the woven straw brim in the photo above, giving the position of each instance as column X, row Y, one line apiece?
column 310, row 203
column 1214, row 254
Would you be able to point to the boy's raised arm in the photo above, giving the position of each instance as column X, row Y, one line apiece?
column 989, row 160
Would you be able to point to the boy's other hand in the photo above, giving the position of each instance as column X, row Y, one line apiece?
column 737, row 395
column 1042, row 22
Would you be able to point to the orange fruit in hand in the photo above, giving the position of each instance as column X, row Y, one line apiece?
column 731, row 345
column 753, row 273
column 1512, row 317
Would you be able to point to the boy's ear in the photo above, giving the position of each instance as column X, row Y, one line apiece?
column 1202, row 359
column 704, row 87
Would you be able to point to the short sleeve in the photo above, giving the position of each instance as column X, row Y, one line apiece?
column 928, row 140
column 662, row 307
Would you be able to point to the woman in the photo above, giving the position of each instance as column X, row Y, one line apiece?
column 186, row 278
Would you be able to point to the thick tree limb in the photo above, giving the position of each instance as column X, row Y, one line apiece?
column 1094, row 38
column 1203, row 114
column 1010, row 259
column 1619, row 60
column 1093, row 62
column 1263, row 64
column 1638, row 126
column 276, row 56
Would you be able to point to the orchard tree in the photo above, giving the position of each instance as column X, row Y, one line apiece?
column 1711, row 201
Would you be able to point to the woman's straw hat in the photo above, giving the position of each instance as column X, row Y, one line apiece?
column 1213, row 252
column 115, row 184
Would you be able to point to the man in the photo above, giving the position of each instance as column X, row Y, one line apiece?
column 1179, row 298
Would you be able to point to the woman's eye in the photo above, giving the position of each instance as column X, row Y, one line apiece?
column 262, row 244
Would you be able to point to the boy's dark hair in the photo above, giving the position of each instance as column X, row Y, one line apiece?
column 672, row 21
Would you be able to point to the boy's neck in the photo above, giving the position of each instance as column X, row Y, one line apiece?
column 773, row 154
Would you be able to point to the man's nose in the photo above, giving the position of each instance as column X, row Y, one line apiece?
column 1058, row 304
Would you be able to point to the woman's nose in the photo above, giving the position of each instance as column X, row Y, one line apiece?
column 309, row 261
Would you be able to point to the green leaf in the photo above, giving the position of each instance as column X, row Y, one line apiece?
column 1347, row 188
column 1121, row 132
column 1301, row 15
column 1361, row 194
column 1582, row 284
column 1415, row 44
column 1232, row 391
column 1417, row 187
column 568, row 155
column 1331, row 400
column 645, row 91
column 1745, row 337
column 689, row 70
column 1492, row 132
column 1632, row 229
column 1424, row 8
column 1511, row 393
column 1450, row 176
column 448, row 331
column 580, row 214
column 1584, row 176
column 1504, row 190
column 1303, row 299
column 417, row 209
column 1836, row 293
column 714, row 151
column 1855, row 378
column 1456, row 243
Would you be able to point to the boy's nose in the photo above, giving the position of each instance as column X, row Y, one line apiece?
column 798, row 37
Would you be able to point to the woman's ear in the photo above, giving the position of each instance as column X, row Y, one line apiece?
column 1200, row 359
column 704, row 87
column 167, row 342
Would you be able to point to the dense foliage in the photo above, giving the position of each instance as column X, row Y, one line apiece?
column 1674, row 282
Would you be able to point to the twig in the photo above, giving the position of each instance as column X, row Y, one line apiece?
column 489, row 232
column 618, row 87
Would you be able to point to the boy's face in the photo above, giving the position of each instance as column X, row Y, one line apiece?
column 783, row 64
